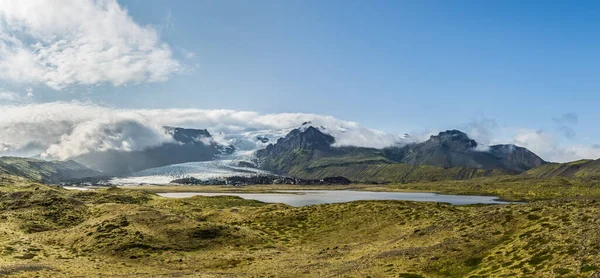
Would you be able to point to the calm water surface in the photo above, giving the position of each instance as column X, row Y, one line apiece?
column 299, row 198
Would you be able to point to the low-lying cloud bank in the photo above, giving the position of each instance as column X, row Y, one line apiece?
column 549, row 146
column 558, row 145
column 60, row 130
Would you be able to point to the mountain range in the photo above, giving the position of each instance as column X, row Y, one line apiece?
column 308, row 152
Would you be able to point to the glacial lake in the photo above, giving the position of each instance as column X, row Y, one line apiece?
column 298, row 198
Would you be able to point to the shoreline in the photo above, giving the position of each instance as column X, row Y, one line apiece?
column 276, row 189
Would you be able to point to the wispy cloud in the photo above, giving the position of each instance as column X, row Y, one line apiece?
column 567, row 118
column 12, row 97
column 8, row 96
column 79, row 42
column 548, row 145
column 188, row 54
column 481, row 130
column 565, row 124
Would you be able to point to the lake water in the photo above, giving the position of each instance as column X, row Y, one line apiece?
column 77, row 188
column 299, row 198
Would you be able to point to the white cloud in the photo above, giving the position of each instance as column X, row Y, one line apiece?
column 481, row 130
column 549, row 146
column 62, row 130
column 79, row 42
column 29, row 92
column 66, row 129
column 188, row 54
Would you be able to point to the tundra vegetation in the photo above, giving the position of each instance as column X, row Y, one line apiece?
column 47, row 231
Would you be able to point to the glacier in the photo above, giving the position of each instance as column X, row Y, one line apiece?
column 226, row 165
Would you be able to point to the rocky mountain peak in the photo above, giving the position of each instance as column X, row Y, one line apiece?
column 305, row 138
column 187, row 135
column 454, row 139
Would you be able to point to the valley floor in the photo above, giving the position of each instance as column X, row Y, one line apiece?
column 510, row 188
column 52, row 232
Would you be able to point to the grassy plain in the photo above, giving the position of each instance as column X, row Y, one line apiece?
column 52, row 232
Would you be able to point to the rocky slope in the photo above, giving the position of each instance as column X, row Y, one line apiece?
column 189, row 145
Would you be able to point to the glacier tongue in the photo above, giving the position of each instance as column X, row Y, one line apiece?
column 201, row 170
column 245, row 143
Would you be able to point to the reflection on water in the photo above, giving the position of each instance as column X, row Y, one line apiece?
column 312, row 197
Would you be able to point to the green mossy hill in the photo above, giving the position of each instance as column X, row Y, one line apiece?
column 587, row 169
column 515, row 188
column 47, row 231
column 394, row 173
column 44, row 171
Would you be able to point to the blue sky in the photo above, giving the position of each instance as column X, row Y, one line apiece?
column 397, row 66
column 412, row 63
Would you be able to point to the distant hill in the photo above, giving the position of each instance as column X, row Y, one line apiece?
column 189, row 145
column 579, row 169
column 308, row 153
column 45, row 171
